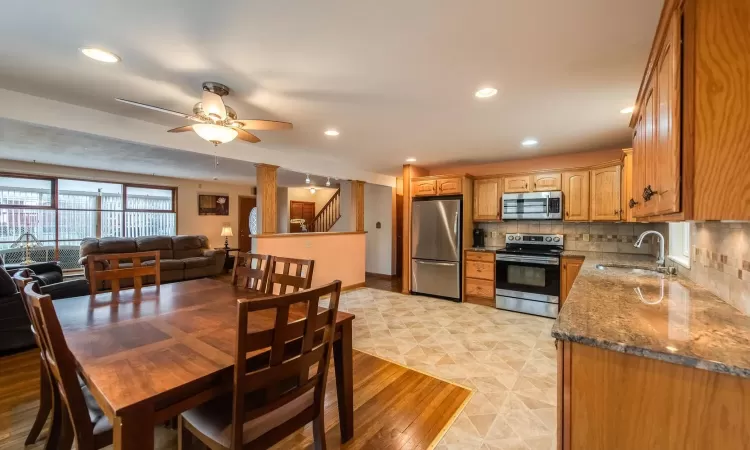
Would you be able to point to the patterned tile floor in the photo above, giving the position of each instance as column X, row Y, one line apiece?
column 508, row 359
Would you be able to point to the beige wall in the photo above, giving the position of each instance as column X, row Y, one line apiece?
column 188, row 220
column 302, row 194
column 336, row 256
column 564, row 161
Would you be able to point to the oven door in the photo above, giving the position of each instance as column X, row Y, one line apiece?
column 528, row 277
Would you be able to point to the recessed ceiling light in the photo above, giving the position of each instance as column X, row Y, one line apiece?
column 411, row 159
column 485, row 92
column 628, row 110
column 100, row 55
column 331, row 133
column 529, row 142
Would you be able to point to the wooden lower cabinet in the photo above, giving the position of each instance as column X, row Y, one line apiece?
column 569, row 268
column 479, row 278
column 612, row 400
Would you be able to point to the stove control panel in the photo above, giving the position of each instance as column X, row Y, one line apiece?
column 535, row 239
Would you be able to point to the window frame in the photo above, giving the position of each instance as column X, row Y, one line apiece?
column 55, row 203
column 678, row 250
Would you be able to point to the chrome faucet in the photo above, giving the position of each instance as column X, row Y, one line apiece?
column 660, row 256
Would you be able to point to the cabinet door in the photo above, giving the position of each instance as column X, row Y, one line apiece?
column 547, row 182
column 647, row 165
column 487, row 195
column 605, row 194
column 422, row 188
column 568, row 272
column 626, row 185
column 449, row 186
column 517, row 184
column 667, row 141
column 575, row 187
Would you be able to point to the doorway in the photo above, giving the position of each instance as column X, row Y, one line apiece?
column 301, row 210
column 246, row 205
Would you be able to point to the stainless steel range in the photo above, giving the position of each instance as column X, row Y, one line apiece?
column 528, row 274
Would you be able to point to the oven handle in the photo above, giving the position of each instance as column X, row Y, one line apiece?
column 546, row 208
column 528, row 259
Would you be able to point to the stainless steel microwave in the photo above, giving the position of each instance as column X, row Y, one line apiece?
column 533, row 206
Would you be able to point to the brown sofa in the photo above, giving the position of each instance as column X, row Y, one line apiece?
column 182, row 257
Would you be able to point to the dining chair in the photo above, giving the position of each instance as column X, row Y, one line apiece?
column 22, row 278
column 114, row 270
column 76, row 413
column 279, row 275
column 274, row 400
column 254, row 269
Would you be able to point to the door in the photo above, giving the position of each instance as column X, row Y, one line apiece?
column 570, row 268
column 532, row 277
column 647, row 164
column 301, row 210
column 517, row 184
column 449, row 186
column 442, row 278
column 605, row 194
column 547, row 182
column 626, row 185
column 246, row 205
column 487, row 195
column 667, row 146
column 575, row 187
column 436, row 230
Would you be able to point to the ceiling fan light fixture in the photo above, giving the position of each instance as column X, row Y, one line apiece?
column 215, row 134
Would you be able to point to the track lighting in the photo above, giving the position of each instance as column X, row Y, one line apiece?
column 307, row 178
column 328, row 181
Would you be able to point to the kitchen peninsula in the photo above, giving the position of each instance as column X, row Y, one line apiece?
column 647, row 360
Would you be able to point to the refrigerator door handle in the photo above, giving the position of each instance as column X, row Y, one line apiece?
column 432, row 263
column 455, row 224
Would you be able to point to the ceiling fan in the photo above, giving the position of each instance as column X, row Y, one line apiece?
column 217, row 122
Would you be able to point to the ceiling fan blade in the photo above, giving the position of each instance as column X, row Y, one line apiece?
column 155, row 108
column 246, row 136
column 213, row 105
column 181, row 129
column 256, row 124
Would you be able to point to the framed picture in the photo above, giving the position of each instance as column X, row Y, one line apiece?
column 213, row 205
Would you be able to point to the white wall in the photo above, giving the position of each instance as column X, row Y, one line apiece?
column 282, row 210
column 188, row 220
column 378, row 208
column 346, row 222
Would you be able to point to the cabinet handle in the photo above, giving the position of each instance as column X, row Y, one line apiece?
column 567, row 213
column 632, row 203
column 617, row 212
column 648, row 193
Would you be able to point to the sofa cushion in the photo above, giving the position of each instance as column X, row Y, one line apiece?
column 188, row 246
column 167, row 264
column 153, row 243
column 197, row 262
column 107, row 245
column 7, row 285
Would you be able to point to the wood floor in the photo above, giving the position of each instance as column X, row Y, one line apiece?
column 394, row 407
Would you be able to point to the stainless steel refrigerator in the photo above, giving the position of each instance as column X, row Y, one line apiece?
column 436, row 248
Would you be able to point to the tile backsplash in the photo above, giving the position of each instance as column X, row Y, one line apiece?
column 581, row 236
column 720, row 260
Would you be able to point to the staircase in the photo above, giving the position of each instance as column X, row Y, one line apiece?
column 328, row 215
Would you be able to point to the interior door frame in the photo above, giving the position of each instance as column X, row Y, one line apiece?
column 239, row 219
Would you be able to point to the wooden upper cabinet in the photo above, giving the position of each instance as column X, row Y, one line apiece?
column 626, row 185
column 424, row 188
column 520, row 183
column 605, row 194
column 575, row 187
column 487, row 194
column 666, row 157
column 547, row 182
column 449, row 186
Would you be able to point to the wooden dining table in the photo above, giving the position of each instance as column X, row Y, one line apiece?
column 148, row 357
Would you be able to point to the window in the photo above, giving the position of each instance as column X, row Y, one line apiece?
column 679, row 243
column 59, row 213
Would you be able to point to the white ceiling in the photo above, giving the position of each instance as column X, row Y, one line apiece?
column 20, row 141
column 395, row 77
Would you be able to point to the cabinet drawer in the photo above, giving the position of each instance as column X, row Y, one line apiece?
column 420, row 188
column 449, row 186
column 481, row 270
column 481, row 256
column 480, row 288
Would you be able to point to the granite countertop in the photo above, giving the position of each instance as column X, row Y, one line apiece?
column 484, row 249
column 649, row 314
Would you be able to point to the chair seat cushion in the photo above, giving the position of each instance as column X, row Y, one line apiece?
column 213, row 419
column 196, row 262
column 98, row 420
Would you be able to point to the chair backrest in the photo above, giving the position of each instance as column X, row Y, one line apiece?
column 61, row 364
column 254, row 270
column 279, row 275
column 295, row 347
column 114, row 273
column 22, row 278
